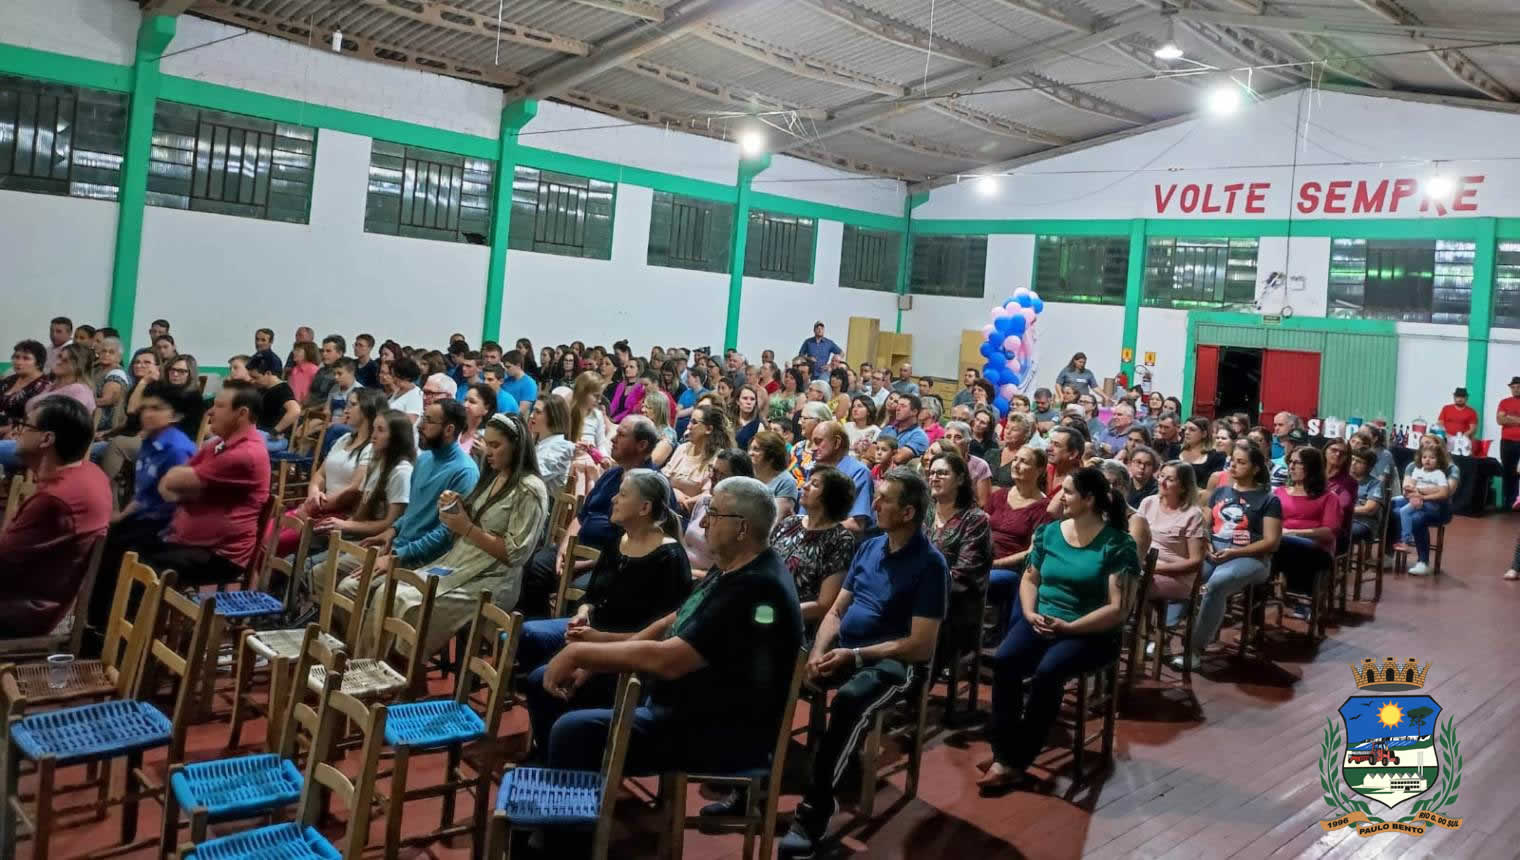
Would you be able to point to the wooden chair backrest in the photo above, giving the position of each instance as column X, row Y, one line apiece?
column 1137, row 589
column 81, row 610
column 310, row 442
column 356, row 793
column 332, row 600
column 493, row 627
column 127, row 636
column 560, row 518
column 281, row 479
column 393, row 626
column 616, row 753
column 256, row 563
column 574, row 552
column 178, row 613
column 274, row 562
column 788, row 714
column 22, row 488
column 298, row 713
column 204, row 430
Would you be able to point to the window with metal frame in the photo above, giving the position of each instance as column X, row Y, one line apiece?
column 948, row 266
column 1507, row 286
column 1199, row 272
column 62, row 140
column 689, row 232
column 1411, row 280
column 780, row 247
column 229, row 164
column 558, row 213
column 425, row 194
column 868, row 258
column 1087, row 269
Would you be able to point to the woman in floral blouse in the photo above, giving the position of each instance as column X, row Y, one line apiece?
column 814, row 545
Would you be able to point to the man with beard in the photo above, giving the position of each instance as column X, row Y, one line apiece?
column 442, row 465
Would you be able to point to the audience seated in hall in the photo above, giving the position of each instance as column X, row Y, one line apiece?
column 46, row 544
column 729, row 463
column 278, row 410
column 550, row 424
column 1311, row 521
column 814, row 545
column 1177, row 533
column 690, row 467
column 902, row 425
column 637, row 580
column 769, row 458
column 1429, row 482
column 831, row 447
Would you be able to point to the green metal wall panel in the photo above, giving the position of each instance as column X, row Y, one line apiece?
column 1232, row 335
column 1357, row 375
column 1305, row 341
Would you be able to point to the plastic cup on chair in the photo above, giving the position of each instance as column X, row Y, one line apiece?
column 60, row 666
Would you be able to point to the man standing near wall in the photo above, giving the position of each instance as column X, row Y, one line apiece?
column 1509, row 440
column 817, row 349
column 905, row 383
column 1457, row 417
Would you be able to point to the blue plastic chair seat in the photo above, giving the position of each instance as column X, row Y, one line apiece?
column 245, row 604
column 433, row 723
column 289, row 841
column 89, row 732
column 238, row 787
column 541, row 796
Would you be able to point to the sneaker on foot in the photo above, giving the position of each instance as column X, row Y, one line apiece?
column 732, row 804
column 1194, row 660
column 1150, row 649
column 1511, row 574
column 809, row 826
column 1419, row 568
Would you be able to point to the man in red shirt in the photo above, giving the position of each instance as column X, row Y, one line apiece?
column 46, row 546
column 1457, row 417
column 1509, row 440
column 220, row 492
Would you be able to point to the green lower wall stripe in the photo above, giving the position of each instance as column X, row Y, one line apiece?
column 607, row 171
column 64, row 69
column 827, row 212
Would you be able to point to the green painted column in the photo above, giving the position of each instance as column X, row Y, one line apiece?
column 153, row 35
column 905, row 255
column 513, row 117
column 1481, row 316
column 1134, row 286
column 749, row 168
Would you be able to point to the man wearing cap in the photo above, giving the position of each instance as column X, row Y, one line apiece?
column 1509, row 440
column 1457, row 417
column 817, row 350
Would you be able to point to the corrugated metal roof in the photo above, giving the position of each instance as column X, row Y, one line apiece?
column 702, row 58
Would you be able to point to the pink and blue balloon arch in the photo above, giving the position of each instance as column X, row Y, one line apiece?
column 1010, row 346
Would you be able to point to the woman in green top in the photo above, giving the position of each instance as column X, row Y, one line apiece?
column 1071, row 608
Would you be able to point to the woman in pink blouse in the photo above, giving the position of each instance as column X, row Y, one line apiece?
column 1311, row 521
column 304, row 370
column 1177, row 532
column 1338, row 480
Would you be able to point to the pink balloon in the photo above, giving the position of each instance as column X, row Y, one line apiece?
column 999, row 312
column 1012, row 343
column 1007, row 390
column 988, row 329
column 1029, row 314
column 1021, row 291
column 1015, row 365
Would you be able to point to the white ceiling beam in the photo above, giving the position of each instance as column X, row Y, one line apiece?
column 994, row 124
column 1506, row 32
column 845, row 162
column 958, row 83
column 1248, row 50
column 629, row 44
column 1341, row 60
column 1458, row 64
column 355, row 46
column 1054, row 14
column 458, row 20
column 1142, row 52
column 733, row 97
column 897, row 32
column 920, row 147
column 797, row 64
column 631, row 8
column 1083, row 101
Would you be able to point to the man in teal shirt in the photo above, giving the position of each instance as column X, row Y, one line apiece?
column 417, row 535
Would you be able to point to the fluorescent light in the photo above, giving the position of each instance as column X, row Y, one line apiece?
column 337, row 40
column 987, row 186
column 1440, row 187
column 1168, row 51
column 1224, row 99
column 751, row 142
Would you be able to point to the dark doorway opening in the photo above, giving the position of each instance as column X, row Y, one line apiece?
column 1239, row 382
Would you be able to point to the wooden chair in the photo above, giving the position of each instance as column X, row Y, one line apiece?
column 1160, row 633
column 133, row 623
column 205, row 429
column 762, row 787
column 1437, row 548
column 300, row 838
column 1369, row 556
column 105, row 731
column 561, row 517
column 23, row 485
column 961, row 643
column 246, row 786
column 68, row 636
column 567, row 592
column 915, row 729
column 282, row 648
column 371, row 677
column 454, row 727
column 1132, row 631
column 547, row 798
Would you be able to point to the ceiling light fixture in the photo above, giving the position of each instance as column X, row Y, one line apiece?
column 1170, row 49
column 1440, row 187
column 1224, row 99
column 751, row 142
column 987, row 186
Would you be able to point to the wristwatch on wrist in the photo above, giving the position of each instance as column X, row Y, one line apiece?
column 858, row 661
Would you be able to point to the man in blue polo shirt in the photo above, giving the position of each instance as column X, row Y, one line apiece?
column 912, row 441
column 831, row 447
column 817, row 350
column 519, row 385
column 873, row 642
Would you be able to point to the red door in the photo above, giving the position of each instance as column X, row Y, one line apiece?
column 1289, row 383
column 1205, row 380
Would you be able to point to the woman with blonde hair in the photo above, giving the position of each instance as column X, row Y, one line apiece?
column 657, row 409
column 690, row 467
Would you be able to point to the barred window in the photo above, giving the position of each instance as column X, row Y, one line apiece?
column 780, row 247
column 1413, row 280
column 212, row 161
column 689, row 232
column 949, row 266
column 868, row 258
column 62, row 140
column 557, row 213
column 1200, row 273
column 1507, row 286
column 425, row 194
column 1091, row 269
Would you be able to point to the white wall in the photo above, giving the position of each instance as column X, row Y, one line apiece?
column 1503, row 365
column 217, row 278
column 936, row 322
column 1164, row 332
column 1305, row 263
column 104, row 30
column 1432, row 362
column 57, row 253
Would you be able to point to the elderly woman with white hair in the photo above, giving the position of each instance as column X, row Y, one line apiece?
column 802, row 452
column 957, row 439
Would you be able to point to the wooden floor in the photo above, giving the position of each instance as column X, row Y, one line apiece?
column 1232, row 776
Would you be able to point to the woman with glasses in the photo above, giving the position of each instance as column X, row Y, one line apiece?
column 1311, row 519
column 962, row 533
column 72, row 367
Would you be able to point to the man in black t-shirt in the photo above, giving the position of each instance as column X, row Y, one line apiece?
column 722, row 663
column 278, row 410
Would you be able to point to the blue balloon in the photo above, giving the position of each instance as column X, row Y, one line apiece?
column 1001, row 405
column 1039, row 306
column 1025, row 301
column 991, row 371
column 1011, row 378
column 987, row 349
column 995, row 338
column 1009, row 301
column 1004, row 326
column 1016, row 325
